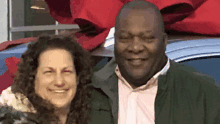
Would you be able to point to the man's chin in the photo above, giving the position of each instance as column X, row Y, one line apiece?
column 136, row 85
column 137, row 76
column 138, row 80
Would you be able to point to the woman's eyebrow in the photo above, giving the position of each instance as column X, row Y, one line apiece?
column 52, row 69
column 68, row 67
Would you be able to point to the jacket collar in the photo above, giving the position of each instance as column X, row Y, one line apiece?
column 162, row 79
column 108, row 70
column 104, row 74
column 107, row 81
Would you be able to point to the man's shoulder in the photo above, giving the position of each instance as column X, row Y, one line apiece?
column 190, row 75
column 182, row 69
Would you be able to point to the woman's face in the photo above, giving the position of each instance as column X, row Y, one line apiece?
column 56, row 78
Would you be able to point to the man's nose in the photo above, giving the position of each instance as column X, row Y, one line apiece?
column 59, row 80
column 136, row 45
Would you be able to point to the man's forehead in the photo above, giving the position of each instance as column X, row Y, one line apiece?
column 134, row 18
column 137, row 15
column 144, row 19
column 128, row 12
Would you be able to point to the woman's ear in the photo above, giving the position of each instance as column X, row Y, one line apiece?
column 77, row 81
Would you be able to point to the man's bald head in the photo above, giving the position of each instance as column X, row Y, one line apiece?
column 140, row 5
column 140, row 42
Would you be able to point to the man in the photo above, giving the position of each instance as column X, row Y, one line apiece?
column 142, row 86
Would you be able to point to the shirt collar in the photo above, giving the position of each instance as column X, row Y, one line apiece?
column 151, row 82
column 164, row 70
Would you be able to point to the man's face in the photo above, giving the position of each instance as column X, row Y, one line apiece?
column 139, row 46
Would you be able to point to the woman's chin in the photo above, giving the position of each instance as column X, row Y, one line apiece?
column 59, row 104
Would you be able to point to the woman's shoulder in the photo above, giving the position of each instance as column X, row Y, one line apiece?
column 9, row 115
column 7, row 96
column 15, row 100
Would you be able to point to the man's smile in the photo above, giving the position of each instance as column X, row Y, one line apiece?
column 136, row 62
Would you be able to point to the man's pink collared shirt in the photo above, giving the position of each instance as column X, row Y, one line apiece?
column 136, row 106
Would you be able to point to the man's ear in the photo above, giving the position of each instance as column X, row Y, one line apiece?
column 165, row 38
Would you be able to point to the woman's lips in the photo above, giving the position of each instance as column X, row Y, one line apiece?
column 58, row 90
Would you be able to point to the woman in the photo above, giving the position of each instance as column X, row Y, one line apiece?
column 53, row 81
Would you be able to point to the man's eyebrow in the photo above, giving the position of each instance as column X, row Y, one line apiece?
column 123, row 31
column 148, row 31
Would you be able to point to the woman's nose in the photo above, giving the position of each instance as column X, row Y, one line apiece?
column 59, row 81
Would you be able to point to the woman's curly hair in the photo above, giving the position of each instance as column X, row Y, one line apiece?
column 27, row 69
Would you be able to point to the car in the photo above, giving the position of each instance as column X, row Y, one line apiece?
column 199, row 52
column 202, row 53
column 16, row 51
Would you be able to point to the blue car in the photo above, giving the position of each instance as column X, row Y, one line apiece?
column 202, row 54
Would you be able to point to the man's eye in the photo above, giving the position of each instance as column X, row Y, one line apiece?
column 124, row 40
column 148, row 39
column 123, row 37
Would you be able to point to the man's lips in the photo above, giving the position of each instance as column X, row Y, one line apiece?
column 136, row 58
column 131, row 59
column 136, row 61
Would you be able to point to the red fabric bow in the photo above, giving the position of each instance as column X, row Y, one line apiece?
column 8, row 77
column 195, row 16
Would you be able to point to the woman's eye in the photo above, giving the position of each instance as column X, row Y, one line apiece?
column 67, row 71
column 48, row 72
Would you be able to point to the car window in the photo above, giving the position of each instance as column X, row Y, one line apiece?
column 206, row 65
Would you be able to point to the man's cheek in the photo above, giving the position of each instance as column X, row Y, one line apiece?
column 121, row 48
column 118, row 51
